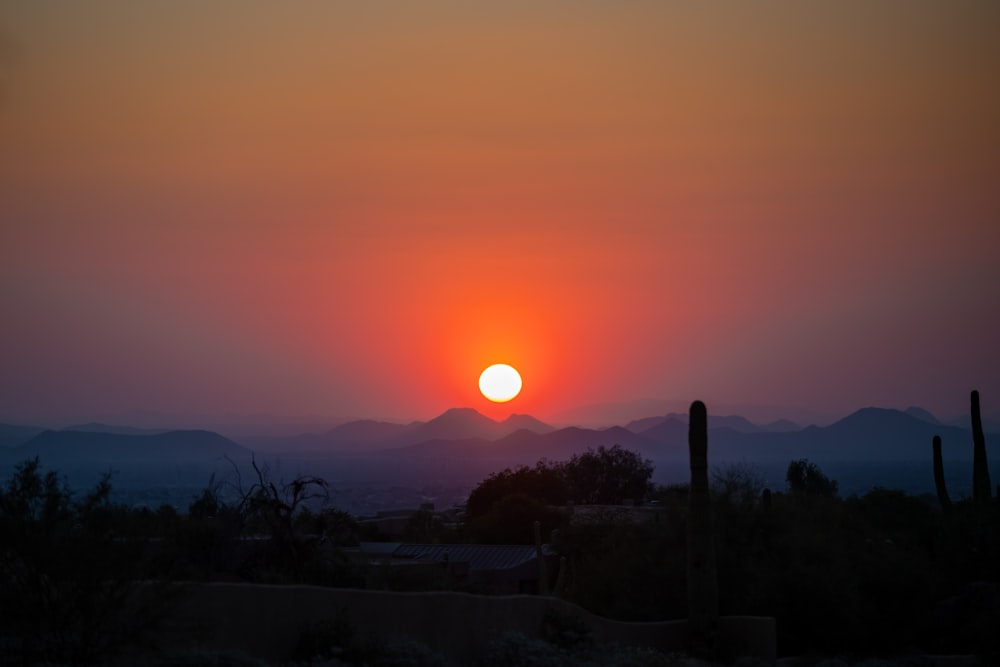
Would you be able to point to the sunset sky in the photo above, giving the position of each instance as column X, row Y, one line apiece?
column 350, row 209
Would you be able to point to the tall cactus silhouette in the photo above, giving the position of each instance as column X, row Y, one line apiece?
column 942, row 490
column 981, row 493
column 702, row 584
column 980, row 468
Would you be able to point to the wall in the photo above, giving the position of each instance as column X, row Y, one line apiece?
column 265, row 621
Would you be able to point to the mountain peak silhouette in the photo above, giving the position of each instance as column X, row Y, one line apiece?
column 95, row 445
column 921, row 414
column 518, row 422
column 461, row 416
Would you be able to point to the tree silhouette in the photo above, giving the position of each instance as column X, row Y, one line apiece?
column 68, row 570
column 804, row 478
column 608, row 476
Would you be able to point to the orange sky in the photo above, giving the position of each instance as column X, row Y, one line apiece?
column 319, row 208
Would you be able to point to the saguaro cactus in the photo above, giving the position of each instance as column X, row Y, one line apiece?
column 942, row 490
column 702, row 584
column 981, row 492
column 980, row 468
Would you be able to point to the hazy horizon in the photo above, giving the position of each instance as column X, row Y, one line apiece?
column 587, row 416
column 348, row 211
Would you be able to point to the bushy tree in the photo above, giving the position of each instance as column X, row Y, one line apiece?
column 205, row 542
column 333, row 526
column 804, row 478
column 738, row 484
column 511, row 520
column 608, row 476
column 271, row 507
column 625, row 568
column 544, row 483
column 303, row 543
column 875, row 574
column 68, row 569
column 505, row 505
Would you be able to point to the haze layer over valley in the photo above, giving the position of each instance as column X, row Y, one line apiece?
column 375, row 465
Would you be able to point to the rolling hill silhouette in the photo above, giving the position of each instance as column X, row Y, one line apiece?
column 735, row 422
column 98, row 427
column 865, row 435
column 14, row 435
column 527, row 447
column 462, row 446
column 78, row 447
column 367, row 435
column 362, row 432
column 869, row 434
column 921, row 414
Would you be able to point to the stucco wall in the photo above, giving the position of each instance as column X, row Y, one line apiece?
column 266, row 621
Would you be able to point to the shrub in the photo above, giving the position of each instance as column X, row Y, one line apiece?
column 68, row 570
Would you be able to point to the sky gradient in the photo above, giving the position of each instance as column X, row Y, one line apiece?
column 351, row 209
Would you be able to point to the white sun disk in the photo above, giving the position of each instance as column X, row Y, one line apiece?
column 500, row 383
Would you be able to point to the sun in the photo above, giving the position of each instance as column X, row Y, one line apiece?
column 500, row 383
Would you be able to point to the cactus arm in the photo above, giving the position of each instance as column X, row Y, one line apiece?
column 942, row 489
column 981, row 492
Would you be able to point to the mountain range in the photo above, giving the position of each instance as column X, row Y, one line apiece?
column 117, row 445
column 869, row 433
column 366, row 435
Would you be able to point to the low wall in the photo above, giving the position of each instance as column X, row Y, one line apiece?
column 266, row 621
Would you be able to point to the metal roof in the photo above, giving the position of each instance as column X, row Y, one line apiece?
column 478, row 556
column 379, row 548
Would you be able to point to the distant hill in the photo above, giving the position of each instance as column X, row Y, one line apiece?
column 369, row 436
column 870, row 434
column 735, row 422
column 465, row 434
column 465, row 424
column 13, row 435
column 98, row 427
column 363, row 432
column 921, row 414
column 646, row 423
column 672, row 430
column 454, row 424
column 463, row 446
column 88, row 447
column 517, row 422
column 527, row 447
column 779, row 426
column 865, row 435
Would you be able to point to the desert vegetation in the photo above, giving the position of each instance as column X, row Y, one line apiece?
column 877, row 574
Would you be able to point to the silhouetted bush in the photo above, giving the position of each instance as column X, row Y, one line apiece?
column 608, row 476
column 68, row 570
column 503, row 507
column 632, row 571
column 804, row 478
column 544, row 483
column 511, row 520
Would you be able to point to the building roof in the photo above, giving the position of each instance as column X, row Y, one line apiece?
column 379, row 548
column 478, row 556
